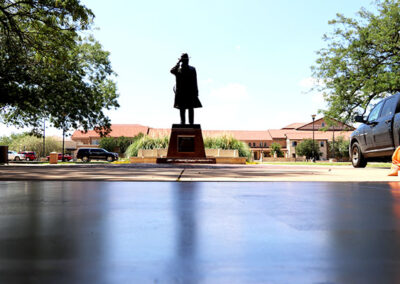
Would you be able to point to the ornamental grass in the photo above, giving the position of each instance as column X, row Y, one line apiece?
column 224, row 142
column 147, row 142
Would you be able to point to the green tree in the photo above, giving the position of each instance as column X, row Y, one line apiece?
column 340, row 148
column 361, row 60
column 276, row 148
column 8, row 140
column 48, row 71
column 308, row 148
column 26, row 142
column 108, row 143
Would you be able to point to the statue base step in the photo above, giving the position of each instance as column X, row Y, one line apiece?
column 186, row 145
column 186, row 161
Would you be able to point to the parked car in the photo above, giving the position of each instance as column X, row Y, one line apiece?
column 67, row 157
column 379, row 135
column 29, row 155
column 14, row 156
column 87, row 154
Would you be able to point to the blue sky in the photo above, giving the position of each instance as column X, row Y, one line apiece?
column 252, row 58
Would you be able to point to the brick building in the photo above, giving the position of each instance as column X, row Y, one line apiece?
column 259, row 141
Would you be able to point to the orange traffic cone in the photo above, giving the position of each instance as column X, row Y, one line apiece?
column 394, row 171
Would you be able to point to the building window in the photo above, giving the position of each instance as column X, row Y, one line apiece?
column 249, row 144
column 294, row 143
column 323, row 124
column 254, row 144
column 265, row 144
column 95, row 141
column 321, row 143
column 261, row 144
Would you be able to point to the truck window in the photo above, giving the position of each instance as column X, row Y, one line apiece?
column 389, row 107
column 375, row 112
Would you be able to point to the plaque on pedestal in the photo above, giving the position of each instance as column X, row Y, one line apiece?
column 186, row 146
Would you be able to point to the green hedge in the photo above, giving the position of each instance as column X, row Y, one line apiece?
column 224, row 142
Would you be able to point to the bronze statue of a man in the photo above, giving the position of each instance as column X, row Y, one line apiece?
column 186, row 91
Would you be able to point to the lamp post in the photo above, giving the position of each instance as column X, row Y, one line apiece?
column 333, row 141
column 313, row 143
column 44, row 137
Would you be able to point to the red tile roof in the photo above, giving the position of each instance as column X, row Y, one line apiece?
column 341, row 125
column 117, row 130
column 131, row 130
column 294, row 125
column 261, row 135
column 280, row 133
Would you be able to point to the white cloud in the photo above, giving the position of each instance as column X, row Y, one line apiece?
column 232, row 91
column 318, row 98
column 206, row 82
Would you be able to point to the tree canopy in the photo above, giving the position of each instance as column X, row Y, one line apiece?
column 339, row 148
column 361, row 61
column 28, row 142
column 308, row 148
column 47, row 70
column 276, row 148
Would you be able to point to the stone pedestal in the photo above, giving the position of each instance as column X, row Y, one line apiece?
column 186, row 146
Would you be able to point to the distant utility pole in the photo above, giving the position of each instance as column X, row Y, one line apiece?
column 63, row 143
column 44, row 137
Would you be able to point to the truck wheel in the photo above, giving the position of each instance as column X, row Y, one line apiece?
column 110, row 159
column 357, row 158
column 85, row 159
column 17, row 159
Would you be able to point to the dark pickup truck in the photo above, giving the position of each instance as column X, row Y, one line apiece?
column 379, row 135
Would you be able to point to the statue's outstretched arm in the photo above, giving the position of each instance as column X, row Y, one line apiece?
column 174, row 69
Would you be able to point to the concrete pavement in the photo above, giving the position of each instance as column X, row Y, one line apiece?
column 199, row 232
column 154, row 172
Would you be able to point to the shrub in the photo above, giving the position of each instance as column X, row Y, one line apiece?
column 339, row 149
column 111, row 143
column 227, row 142
column 307, row 148
column 146, row 142
column 276, row 148
column 108, row 143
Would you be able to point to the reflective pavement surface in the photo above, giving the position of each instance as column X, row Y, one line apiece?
column 171, row 232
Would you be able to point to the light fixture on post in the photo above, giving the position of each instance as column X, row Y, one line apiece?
column 313, row 150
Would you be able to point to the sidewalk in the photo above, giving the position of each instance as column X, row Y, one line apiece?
column 151, row 172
